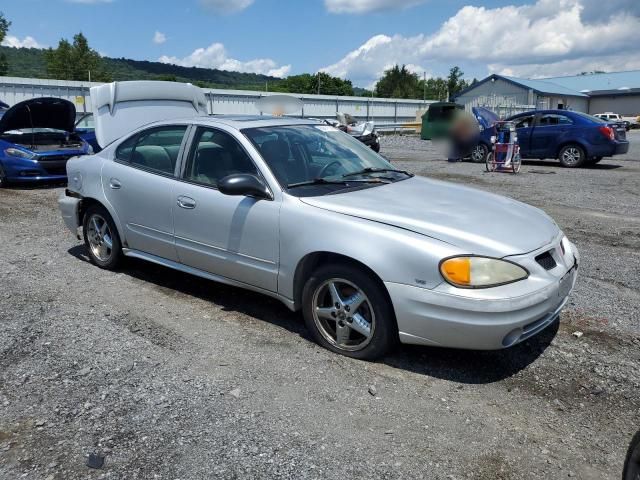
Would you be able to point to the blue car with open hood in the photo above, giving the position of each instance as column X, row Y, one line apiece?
column 37, row 139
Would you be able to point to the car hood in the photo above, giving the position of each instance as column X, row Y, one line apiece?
column 477, row 222
column 45, row 112
column 486, row 118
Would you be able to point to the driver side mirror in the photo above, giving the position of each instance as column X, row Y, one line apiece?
column 244, row 184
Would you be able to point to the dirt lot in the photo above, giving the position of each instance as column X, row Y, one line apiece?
column 172, row 377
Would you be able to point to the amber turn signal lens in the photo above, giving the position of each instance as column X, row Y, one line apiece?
column 457, row 270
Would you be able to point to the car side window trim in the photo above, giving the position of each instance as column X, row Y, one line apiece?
column 136, row 136
column 193, row 144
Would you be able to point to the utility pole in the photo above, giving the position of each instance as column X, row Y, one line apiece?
column 424, row 84
column 318, row 83
column 266, row 86
column 89, row 76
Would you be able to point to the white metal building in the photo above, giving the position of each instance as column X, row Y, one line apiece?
column 381, row 110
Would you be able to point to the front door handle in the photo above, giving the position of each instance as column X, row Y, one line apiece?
column 186, row 202
column 115, row 184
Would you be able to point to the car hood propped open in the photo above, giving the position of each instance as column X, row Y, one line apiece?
column 478, row 222
column 486, row 118
column 43, row 112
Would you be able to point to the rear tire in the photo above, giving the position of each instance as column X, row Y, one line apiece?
column 101, row 238
column 349, row 312
column 479, row 153
column 572, row 156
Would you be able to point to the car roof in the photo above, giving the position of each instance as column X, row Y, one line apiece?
column 239, row 122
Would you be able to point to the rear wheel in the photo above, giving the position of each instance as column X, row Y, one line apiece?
column 349, row 312
column 479, row 153
column 572, row 156
column 101, row 238
column 516, row 163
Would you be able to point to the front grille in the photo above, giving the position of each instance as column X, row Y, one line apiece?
column 546, row 261
column 54, row 158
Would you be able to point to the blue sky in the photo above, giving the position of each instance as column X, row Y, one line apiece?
column 356, row 39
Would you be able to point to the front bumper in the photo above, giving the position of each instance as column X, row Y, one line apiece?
column 484, row 319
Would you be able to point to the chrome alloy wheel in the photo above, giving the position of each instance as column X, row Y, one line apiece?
column 343, row 314
column 479, row 153
column 99, row 236
column 571, row 156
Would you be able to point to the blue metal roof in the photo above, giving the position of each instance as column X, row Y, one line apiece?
column 545, row 86
column 600, row 81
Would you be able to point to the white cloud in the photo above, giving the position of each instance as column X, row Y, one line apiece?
column 159, row 38
column 226, row 6
column 547, row 37
column 366, row 6
column 26, row 42
column 215, row 56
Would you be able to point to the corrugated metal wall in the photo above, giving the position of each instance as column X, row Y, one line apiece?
column 14, row 90
column 507, row 99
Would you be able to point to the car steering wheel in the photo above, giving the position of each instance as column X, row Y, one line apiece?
column 326, row 167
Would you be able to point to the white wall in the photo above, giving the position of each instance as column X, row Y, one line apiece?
column 14, row 90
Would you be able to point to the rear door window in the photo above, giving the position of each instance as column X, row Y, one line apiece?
column 156, row 149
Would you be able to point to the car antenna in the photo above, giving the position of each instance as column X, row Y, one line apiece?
column 33, row 133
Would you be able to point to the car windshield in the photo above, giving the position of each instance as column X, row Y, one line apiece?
column 313, row 160
column 87, row 122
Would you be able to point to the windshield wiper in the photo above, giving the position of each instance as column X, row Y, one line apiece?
column 364, row 171
column 324, row 181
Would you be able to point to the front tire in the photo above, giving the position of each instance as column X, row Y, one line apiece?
column 572, row 156
column 3, row 178
column 101, row 238
column 479, row 153
column 349, row 312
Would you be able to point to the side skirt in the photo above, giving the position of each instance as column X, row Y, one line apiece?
column 202, row 274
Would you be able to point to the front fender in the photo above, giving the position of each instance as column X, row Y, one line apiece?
column 394, row 254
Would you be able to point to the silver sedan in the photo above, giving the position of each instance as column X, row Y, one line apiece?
column 302, row 212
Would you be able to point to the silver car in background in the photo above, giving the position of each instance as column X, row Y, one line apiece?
column 302, row 212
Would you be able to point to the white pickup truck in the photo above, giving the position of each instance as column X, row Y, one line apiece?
column 629, row 122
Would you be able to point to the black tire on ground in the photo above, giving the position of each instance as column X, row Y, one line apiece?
column 632, row 463
column 3, row 178
column 572, row 156
column 479, row 153
column 98, row 248
column 384, row 336
column 376, row 147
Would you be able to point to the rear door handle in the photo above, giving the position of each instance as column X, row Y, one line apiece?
column 115, row 184
column 186, row 202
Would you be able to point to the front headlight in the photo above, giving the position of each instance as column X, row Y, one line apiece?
column 14, row 152
column 565, row 244
column 480, row 272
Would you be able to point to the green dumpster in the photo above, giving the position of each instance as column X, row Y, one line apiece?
column 437, row 120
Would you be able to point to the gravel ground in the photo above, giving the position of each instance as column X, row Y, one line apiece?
column 172, row 377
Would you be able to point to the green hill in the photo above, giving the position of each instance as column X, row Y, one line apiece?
column 30, row 62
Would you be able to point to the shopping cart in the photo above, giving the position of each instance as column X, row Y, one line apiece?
column 505, row 154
